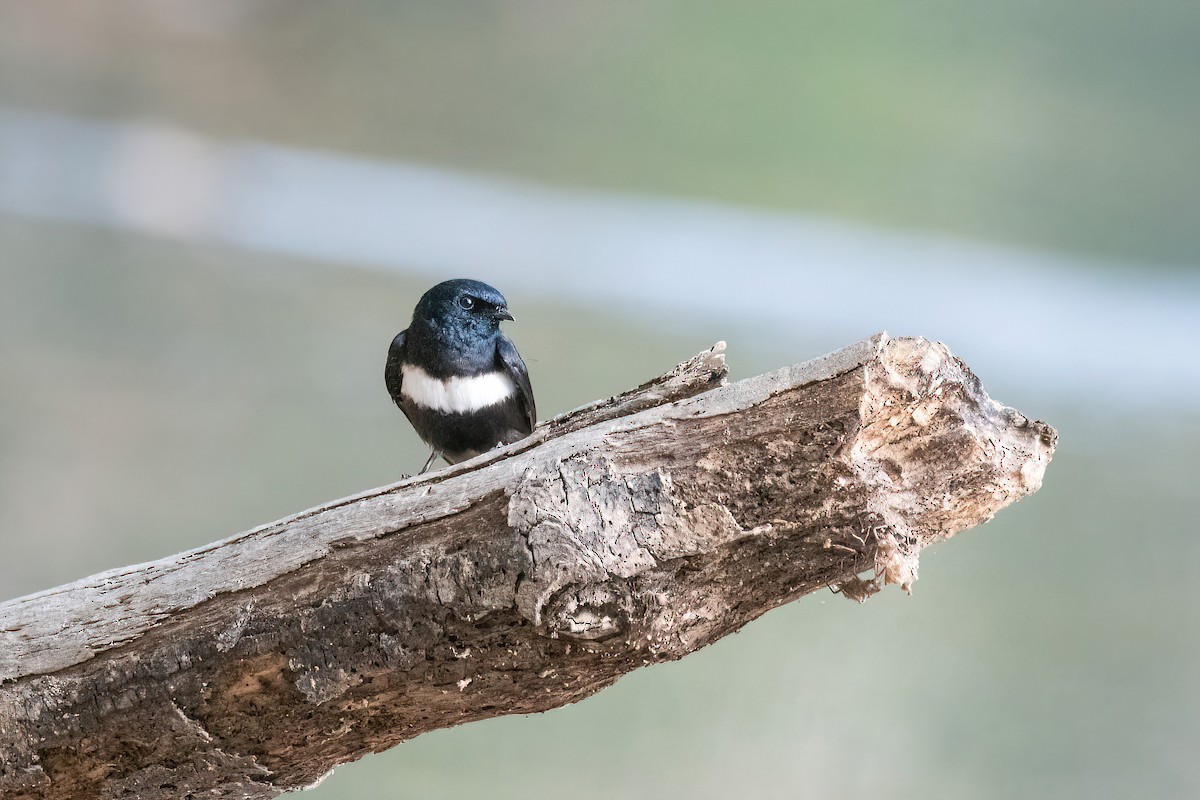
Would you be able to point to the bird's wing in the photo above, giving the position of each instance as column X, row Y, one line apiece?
column 511, row 363
column 393, row 375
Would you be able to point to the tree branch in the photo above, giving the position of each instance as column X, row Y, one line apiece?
column 631, row 531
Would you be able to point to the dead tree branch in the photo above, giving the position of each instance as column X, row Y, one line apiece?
column 632, row 531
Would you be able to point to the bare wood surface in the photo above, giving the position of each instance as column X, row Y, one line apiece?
column 631, row 531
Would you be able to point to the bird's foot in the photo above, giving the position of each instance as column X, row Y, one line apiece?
column 434, row 456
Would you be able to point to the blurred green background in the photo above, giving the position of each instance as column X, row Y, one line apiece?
column 162, row 390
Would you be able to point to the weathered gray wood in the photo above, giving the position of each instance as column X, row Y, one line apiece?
column 631, row 531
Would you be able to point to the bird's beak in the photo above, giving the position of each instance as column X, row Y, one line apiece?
column 502, row 313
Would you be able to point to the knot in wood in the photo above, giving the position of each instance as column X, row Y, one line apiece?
column 591, row 612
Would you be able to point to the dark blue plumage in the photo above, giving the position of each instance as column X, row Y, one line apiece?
column 458, row 379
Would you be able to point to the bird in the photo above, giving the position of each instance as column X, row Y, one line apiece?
column 460, row 381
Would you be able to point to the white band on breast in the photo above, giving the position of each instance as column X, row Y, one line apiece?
column 455, row 395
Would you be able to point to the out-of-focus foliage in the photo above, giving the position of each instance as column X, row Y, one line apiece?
column 1070, row 124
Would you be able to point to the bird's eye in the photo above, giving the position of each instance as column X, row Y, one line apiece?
column 466, row 302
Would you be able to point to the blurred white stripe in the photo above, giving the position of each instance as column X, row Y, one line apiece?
column 1021, row 318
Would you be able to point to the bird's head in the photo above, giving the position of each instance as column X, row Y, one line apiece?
column 464, row 305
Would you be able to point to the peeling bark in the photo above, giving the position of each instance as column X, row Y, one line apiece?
column 632, row 531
